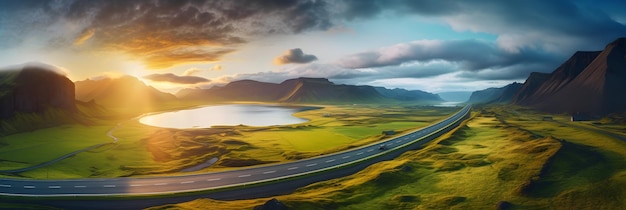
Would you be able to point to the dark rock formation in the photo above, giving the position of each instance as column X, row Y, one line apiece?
column 34, row 88
column 589, row 82
column 273, row 204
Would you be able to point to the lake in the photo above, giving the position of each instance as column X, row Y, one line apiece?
column 231, row 114
column 448, row 104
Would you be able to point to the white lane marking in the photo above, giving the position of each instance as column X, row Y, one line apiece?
column 54, row 187
column 137, row 185
column 80, row 186
column 398, row 141
column 292, row 168
column 312, row 164
column 187, row 182
column 360, row 153
column 160, row 184
column 215, row 179
column 345, row 157
column 109, row 186
column 5, row 185
column 245, row 175
column 328, row 161
column 29, row 187
column 269, row 172
column 370, row 150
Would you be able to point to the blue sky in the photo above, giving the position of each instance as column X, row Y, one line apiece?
column 435, row 46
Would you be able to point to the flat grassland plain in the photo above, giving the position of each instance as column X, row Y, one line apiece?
column 143, row 150
column 502, row 158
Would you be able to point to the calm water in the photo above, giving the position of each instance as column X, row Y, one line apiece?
column 449, row 104
column 232, row 114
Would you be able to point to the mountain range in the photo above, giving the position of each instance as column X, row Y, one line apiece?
column 305, row 90
column 588, row 82
column 120, row 92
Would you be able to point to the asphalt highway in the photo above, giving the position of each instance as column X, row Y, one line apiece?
column 220, row 180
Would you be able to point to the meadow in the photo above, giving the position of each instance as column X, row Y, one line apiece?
column 501, row 158
column 143, row 150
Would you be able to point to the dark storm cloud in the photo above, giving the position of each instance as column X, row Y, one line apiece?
column 149, row 29
column 172, row 78
column 472, row 55
column 295, row 55
column 559, row 25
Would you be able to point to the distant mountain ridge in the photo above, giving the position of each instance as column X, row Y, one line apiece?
column 500, row 95
column 588, row 82
column 120, row 92
column 304, row 90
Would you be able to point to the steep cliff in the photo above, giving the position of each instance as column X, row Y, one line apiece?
column 34, row 88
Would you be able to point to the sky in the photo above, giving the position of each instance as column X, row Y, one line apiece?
column 431, row 45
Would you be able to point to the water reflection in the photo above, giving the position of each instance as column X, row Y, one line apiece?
column 232, row 114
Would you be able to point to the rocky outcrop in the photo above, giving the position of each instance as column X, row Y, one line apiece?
column 33, row 89
column 273, row 204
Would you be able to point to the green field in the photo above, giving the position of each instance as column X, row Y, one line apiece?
column 145, row 150
column 502, row 158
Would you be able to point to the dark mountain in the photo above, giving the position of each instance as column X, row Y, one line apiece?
column 495, row 95
column 589, row 82
column 300, row 90
column 408, row 95
column 540, row 86
column 125, row 91
column 33, row 89
column 529, row 88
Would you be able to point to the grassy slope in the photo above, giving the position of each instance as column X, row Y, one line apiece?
column 501, row 158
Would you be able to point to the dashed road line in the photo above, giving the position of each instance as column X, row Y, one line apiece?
column 80, row 186
column 345, row 157
column 214, row 179
column 292, row 168
column 245, row 175
column 269, row 172
column 5, row 185
column 187, row 182
column 108, row 186
column 312, row 164
column 29, row 187
column 331, row 160
column 370, row 150
column 54, row 187
column 360, row 153
column 160, row 184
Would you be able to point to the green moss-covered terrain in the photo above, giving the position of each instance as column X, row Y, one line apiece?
column 502, row 158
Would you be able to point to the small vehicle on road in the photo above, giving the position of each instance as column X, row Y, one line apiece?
column 382, row 147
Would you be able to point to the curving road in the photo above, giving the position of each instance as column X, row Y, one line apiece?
column 227, row 179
